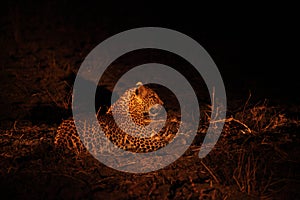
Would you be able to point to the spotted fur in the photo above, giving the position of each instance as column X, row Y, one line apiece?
column 142, row 103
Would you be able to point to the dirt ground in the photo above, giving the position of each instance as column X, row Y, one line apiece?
column 42, row 48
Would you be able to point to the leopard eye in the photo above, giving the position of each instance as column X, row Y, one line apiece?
column 153, row 110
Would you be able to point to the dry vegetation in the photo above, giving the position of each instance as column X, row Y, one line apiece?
column 257, row 155
column 242, row 165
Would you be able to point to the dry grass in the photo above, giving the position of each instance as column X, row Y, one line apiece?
column 262, row 118
column 249, row 170
column 252, row 176
column 253, row 163
column 249, row 167
column 54, row 85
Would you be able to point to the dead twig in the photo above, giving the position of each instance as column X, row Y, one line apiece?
column 210, row 172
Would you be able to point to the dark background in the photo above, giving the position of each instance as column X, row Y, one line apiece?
column 252, row 45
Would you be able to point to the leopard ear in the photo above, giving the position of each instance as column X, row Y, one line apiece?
column 138, row 84
column 141, row 91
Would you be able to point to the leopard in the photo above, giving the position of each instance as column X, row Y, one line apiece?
column 138, row 105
